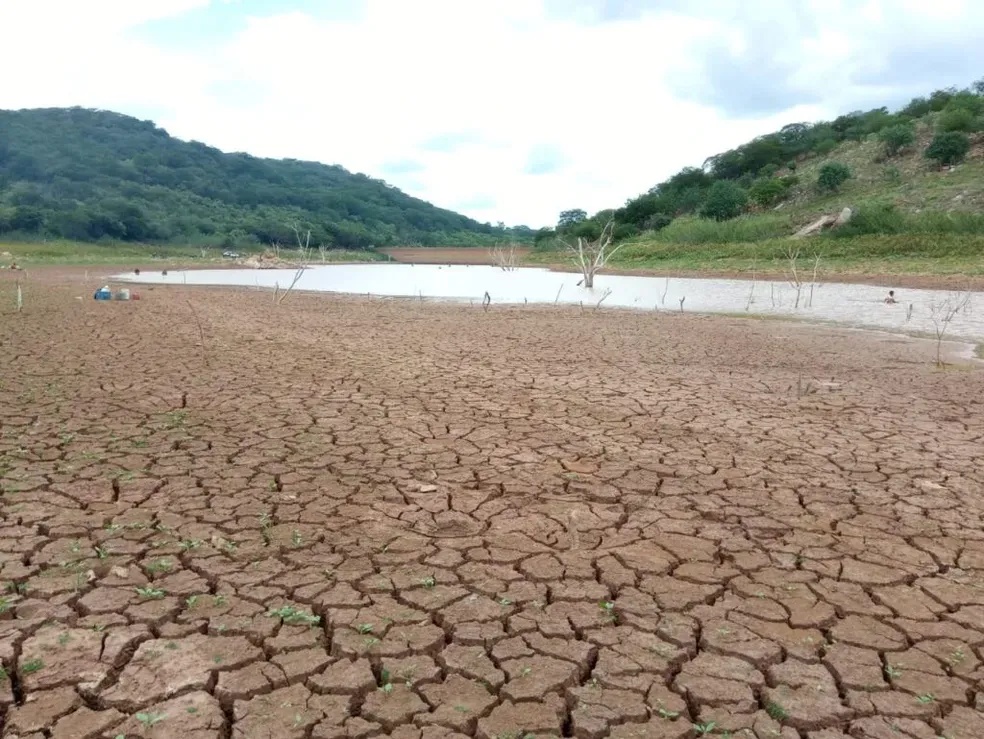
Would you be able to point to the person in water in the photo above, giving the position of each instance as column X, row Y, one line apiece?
column 891, row 297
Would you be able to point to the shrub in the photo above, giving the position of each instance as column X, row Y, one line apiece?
column 725, row 200
column 832, row 176
column 948, row 148
column 897, row 137
column 657, row 221
column 767, row 191
column 825, row 147
column 957, row 119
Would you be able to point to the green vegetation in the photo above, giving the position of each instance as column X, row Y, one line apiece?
column 832, row 176
column 948, row 148
column 95, row 176
column 913, row 211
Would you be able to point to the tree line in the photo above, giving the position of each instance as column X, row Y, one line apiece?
column 92, row 175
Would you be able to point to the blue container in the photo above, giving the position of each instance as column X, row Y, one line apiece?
column 103, row 294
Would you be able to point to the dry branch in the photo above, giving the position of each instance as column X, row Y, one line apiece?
column 592, row 256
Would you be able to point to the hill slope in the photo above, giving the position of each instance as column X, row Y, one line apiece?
column 738, row 211
column 87, row 175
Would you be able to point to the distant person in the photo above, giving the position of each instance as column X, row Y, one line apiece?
column 891, row 297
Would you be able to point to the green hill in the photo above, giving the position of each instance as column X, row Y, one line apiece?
column 910, row 212
column 90, row 175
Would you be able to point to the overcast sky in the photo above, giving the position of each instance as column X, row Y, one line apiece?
column 506, row 110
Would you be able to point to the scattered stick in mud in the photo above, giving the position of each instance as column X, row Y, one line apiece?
column 751, row 295
column 20, row 297
column 486, row 301
column 279, row 297
column 558, row 293
column 681, row 303
column 608, row 291
column 666, row 289
column 201, row 332
column 792, row 256
column 814, row 284
column 908, row 312
column 942, row 312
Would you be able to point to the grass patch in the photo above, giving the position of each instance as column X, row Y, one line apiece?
column 930, row 253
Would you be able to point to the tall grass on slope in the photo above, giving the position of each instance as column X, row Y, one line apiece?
column 885, row 219
column 745, row 229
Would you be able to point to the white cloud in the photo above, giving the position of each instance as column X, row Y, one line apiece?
column 608, row 100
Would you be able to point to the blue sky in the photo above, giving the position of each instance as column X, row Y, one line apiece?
column 511, row 110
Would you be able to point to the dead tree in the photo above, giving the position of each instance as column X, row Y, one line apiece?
column 592, row 256
column 303, row 245
column 942, row 312
column 504, row 257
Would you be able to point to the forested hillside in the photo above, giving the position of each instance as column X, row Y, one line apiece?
column 919, row 169
column 89, row 175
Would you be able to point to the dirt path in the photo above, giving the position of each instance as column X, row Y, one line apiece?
column 345, row 518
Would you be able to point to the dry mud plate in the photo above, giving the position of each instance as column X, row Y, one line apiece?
column 343, row 518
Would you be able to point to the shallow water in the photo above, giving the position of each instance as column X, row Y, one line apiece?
column 852, row 305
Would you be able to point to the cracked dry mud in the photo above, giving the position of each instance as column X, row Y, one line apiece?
column 426, row 521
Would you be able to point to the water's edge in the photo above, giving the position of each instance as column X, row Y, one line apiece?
column 918, row 312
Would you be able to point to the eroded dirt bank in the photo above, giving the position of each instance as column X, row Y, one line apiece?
column 343, row 518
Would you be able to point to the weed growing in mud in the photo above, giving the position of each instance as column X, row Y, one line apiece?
column 429, row 581
column 174, row 419
column 295, row 616
column 150, row 719
column 893, row 672
column 295, row 538
column 776, row 711
column 4, row 677
column 927, row 698
column 704, row 729
column 32, row 665
column 161, row 565
column 187, row 544
column 608, row 608
column 365, row 628
column 667, row 713
column 151, row 593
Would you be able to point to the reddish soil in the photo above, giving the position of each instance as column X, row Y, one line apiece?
column 445, row 255
column 351, row 518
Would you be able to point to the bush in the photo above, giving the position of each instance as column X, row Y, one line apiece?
column 657, row 222
column 957, row 119
column 832, row 176
column 948, row 148
column 897, row 137
column 825, row 147
column 725, row 200
column 767, row 191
